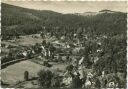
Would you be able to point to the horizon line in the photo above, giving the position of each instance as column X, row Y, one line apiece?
column 61, row 12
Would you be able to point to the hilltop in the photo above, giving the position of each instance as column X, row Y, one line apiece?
column 22, row 21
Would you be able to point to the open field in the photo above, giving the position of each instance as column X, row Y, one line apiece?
column 15, row 73
column 24, row 40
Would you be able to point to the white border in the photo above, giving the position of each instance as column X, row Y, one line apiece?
column 127, row 44
column 63, row 0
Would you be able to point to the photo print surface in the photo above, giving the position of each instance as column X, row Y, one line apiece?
column 63, row 44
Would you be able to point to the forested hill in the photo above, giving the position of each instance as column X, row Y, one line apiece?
column 22, row 21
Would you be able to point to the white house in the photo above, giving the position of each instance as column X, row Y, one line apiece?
column 24, row 53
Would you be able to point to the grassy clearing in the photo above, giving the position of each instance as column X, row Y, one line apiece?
column 24, row 40
column 14, row 73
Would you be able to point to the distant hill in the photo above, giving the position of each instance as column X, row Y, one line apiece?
column 87, row 13
column 22, row 21
column 19, row 15
column 95, row 13
column 107, row 11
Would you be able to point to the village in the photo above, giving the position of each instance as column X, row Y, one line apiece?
column 61, row 63
column 47, row 44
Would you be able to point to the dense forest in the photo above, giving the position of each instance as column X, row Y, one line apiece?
column 21, row 21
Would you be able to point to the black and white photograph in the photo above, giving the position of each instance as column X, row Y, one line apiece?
column 63, row 44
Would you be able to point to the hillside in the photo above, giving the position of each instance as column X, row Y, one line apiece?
column 88, row 46
column 22, row 21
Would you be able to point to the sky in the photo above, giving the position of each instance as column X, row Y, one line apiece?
column 72, row 6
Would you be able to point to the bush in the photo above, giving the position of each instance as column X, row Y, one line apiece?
column 45, row 77
column 69, row 67
column 26, row 75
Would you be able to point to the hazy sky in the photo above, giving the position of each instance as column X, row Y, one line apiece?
column 72, row 6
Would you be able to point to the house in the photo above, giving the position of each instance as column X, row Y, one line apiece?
column 33, row 51
column 74, row 62
column 67, row 46
column 89, row 75
column 81, row 72
column 96, row 59
column 75, row 35
column 87, row 83
column 67, row 81
column 42, row 47
column 105, row 37
column 81, row 60
column 103, row 73
column 62, row 37
column 99, row 43
column 24, row 53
